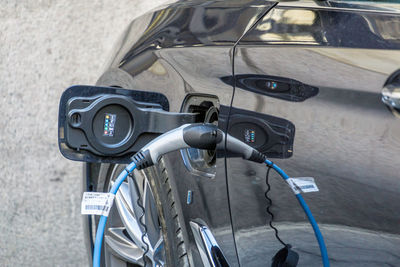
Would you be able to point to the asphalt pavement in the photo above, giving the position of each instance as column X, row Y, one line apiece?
column 46, row 46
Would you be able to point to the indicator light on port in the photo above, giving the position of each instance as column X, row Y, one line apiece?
column 249, row 136
column 271, row 85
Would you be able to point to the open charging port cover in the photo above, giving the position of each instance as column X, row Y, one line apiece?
column 106, row 124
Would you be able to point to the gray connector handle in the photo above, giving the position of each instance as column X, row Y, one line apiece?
column 197, row 135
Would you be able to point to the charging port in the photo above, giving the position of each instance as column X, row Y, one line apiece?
column 211, row 116
column 201, row 162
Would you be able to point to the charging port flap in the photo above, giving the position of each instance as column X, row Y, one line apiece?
column 107, row 124
column 270, row 135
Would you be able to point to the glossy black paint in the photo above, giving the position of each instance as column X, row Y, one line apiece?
column 345, row 137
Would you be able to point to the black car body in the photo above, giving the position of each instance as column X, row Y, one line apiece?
column 331, row 60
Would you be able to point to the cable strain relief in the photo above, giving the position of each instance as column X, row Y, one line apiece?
column 142, row 159
column 257, row 157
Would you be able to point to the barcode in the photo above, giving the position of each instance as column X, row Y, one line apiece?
column 96, row 207
column 307, row 186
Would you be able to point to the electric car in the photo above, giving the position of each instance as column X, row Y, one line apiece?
column 315, row 85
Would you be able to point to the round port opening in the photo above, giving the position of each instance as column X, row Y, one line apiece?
column 198, row 161
column 211, row 116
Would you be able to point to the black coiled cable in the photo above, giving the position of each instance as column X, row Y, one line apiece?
column 144, row 226
column 269, row 206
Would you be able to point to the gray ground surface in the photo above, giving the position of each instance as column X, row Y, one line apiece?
column 346, row 246
column 46, row 46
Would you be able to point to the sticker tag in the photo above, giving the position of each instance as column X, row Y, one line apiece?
column 96, row 203
column 293, row 186
column 305, row 184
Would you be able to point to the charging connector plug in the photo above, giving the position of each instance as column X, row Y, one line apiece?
column 198, row 135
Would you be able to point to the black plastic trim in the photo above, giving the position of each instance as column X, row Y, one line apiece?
column 143, row 121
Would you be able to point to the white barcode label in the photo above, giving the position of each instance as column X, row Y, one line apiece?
column 305, row 184
column 96, row 203
column 293, row 186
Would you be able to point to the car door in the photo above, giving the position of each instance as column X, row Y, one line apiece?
column 318, row 68
column 181, row 51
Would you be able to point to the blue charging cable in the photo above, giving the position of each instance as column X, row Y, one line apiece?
column 103, row 219
column 121, row 178
column 303, row 204
column 200, row 136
